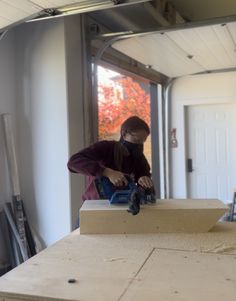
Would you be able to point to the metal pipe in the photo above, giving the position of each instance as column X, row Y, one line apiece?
column 166, row 99
column 3, row 34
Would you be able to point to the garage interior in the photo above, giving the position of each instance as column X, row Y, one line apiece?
column 51, row 53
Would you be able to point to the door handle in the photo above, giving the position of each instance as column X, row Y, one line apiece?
column 190, row 165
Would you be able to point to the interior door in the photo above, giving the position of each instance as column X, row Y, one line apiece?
column 211, row 151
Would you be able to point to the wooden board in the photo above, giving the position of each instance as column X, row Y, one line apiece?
column 166, row 216
column 176, row 275
column 115, row 267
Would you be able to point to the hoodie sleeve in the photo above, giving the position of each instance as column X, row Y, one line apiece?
column 91, row 161
column 142, row 168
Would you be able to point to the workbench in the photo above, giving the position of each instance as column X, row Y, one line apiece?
column 162, row 266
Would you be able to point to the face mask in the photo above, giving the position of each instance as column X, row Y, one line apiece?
column 135, row 149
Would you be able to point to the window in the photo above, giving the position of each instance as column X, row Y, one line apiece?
column 119, row 97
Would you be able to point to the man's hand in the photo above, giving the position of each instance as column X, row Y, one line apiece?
column 145, row 182
column 116, row 177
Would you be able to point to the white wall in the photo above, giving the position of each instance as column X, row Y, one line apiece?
column 42, row 76
column 80, row 111
column 192, row 90
column 42, row 127
column 7, row 105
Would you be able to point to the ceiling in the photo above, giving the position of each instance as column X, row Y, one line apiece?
column 196, row 10
column 115, row 14
column 13, row 12
column 186, row 51
column 180, row 52
column 173, row 53
column 143, row 16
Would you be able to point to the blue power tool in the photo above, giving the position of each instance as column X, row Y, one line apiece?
column 132, row 194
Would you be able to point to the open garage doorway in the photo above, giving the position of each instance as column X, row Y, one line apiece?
column 119, row 97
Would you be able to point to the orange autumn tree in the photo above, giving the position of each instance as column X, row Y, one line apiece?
column 118, row 101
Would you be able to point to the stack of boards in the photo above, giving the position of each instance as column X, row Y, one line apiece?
column 17, row 232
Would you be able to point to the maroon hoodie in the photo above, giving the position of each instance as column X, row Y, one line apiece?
column 92, row 160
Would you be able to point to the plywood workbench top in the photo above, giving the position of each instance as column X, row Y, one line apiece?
column 163, row 266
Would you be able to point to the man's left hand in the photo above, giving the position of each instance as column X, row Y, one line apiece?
column 145, row 182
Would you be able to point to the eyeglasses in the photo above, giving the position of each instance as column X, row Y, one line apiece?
column 138, row 138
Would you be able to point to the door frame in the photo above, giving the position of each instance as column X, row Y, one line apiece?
column 156, row 125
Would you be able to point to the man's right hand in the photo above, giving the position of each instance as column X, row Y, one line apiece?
column 116, row 177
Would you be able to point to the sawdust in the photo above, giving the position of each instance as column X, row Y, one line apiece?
column 114, row 259
column 221, row 249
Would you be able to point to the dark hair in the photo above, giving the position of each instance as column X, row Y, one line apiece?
column 134, row 123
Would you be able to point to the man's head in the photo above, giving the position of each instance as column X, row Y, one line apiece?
column 134, row 130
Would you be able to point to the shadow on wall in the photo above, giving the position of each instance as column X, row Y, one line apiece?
column 24, row 138
column 27, row 175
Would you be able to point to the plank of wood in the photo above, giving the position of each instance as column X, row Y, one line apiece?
column 26, row 241
column 166, row 216
column 107, row 266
